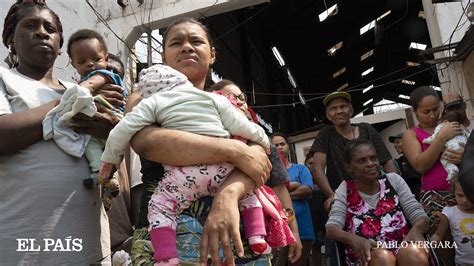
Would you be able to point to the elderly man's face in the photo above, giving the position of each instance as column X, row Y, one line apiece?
column 339, row 111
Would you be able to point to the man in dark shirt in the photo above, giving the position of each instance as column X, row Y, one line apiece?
column 409, row 174
column 328, row 150
column 329, row 145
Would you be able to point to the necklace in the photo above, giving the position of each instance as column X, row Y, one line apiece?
column 346, row 136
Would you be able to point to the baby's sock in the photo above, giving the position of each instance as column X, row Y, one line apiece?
column 259, row 246
column 92, row 181
column 254, row 226
column 163, row 240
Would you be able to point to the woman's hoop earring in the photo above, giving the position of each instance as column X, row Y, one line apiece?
column 12, row 57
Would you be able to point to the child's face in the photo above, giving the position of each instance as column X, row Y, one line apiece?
column 88, row 55
column 463, row 202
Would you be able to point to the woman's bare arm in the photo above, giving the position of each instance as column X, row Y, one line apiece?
column 442, row 230
column 27, row 124
column 418, row 229
column 390, row 167
column 222, row 223
column 175, row 147
column 361, row 246
column 294, row 252
column 133, row 99
column 421, row 161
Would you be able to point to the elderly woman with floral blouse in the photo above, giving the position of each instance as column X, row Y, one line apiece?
column 375, row 216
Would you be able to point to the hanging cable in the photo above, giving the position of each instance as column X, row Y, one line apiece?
column 400, row 19
column 325, row 5
column 145, row 43
column 203, row 15
column 134, row 15
column 106, row 24
column 354, row 90
column 463, row 13
column 241, row 23
column 350, row 88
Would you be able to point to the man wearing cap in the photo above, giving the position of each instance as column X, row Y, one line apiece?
column 454, row 102
column 328, row 147
column 409, row 174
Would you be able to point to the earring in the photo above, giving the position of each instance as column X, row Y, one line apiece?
column 12, row 58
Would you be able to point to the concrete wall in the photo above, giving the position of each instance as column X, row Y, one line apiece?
column 74, row 15
column 468, row 67
column 302, row 148
column 442, row 19
column 393, row 130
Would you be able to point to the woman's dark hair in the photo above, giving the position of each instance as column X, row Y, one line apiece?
column 419, row 93
column 116, row 65
column 186, row 20
column 221, row 84
column 279, row 134
column 352, row 145
column 18, row 10
column 453, row 184
column 85, row 34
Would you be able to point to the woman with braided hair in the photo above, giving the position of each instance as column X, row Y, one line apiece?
column 44, row 206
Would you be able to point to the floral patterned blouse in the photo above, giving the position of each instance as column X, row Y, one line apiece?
column 385, row 223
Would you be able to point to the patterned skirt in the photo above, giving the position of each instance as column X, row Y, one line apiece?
column 434, row 201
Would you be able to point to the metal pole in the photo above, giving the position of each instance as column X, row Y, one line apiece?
column 148, row 46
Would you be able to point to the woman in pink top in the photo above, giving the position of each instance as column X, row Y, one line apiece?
column 425, row 158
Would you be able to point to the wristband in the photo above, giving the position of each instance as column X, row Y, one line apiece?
column 290, row 213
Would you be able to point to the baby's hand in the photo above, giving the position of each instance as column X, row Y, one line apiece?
column 450, row 130
column 105, row 172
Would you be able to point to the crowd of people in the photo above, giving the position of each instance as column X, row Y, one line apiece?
column 216, row 189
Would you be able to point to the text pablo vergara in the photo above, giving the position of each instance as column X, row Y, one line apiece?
column 49, row 244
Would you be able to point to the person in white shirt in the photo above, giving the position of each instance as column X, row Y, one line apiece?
column 459, row 221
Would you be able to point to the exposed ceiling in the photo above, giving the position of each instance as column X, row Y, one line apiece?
column 303, row 41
